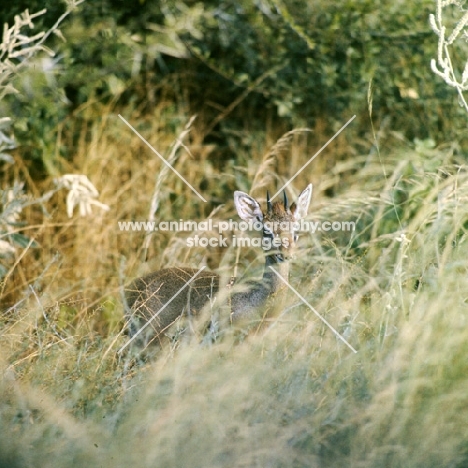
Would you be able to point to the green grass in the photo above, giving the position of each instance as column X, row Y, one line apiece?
column 288, row 395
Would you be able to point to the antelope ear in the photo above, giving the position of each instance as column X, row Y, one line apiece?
column 247, row 207
column 300, row 208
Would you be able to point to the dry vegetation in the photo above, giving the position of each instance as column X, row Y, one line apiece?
column 282, row 393
column 289, row 395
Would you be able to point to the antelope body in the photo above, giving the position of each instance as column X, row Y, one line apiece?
column 153, row 300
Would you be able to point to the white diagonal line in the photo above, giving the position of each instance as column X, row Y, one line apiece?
column 313, row 310
column 160, row 157
column 314, row 156
column 161, row 309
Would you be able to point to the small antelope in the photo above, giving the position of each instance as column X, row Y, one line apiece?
column 153, row 300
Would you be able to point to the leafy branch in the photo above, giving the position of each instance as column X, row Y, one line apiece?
column 17, row 47
column 443, row 66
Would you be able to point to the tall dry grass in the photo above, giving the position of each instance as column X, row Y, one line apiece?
column 289, row 395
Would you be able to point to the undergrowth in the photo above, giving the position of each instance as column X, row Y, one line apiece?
column 290, row 394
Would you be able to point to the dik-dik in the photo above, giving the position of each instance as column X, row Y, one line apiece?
column 152, row 300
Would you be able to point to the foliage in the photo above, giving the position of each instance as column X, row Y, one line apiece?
column 296, row 63
column 33, row 95
column 16, row 55
column 318, row 58
column 289, row 393
column 446, row 41
column 292, row 394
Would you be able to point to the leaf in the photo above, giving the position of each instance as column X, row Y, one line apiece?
column 3, row 271
column 23, row 241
